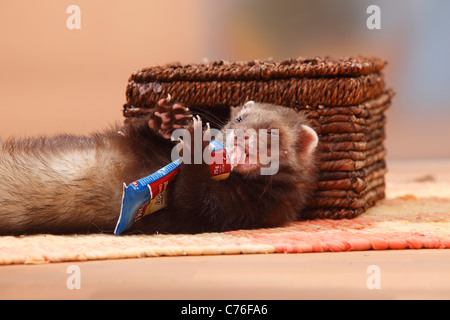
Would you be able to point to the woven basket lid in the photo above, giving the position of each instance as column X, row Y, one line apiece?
column 295, row 82
column 257, row 70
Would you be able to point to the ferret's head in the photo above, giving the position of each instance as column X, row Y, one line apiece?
column 263, row 139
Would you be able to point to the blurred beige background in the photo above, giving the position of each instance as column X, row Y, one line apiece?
column 53, row 79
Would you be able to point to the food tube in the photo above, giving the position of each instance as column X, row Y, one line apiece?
column 147, row 195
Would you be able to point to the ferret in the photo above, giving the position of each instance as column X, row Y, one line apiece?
column 70, row 184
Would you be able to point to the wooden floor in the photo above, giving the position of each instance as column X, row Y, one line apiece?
column 405, row 274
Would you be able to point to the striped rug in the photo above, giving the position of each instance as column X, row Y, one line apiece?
column 414, row 216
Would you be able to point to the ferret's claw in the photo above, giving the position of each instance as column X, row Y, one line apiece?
column 197, row 124
column 207, row 133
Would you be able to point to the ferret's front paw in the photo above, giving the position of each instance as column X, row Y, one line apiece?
column 198, row 143
column 168, row 117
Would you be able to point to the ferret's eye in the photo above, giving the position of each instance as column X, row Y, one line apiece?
column 270, row 131
column 239, row 119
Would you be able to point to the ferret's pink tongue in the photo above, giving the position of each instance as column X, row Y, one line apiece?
column 236, row 156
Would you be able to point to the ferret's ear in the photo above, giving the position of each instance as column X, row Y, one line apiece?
column 249, row 103
column 307, row 141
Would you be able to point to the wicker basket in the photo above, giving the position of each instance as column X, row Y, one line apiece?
column 344, row 99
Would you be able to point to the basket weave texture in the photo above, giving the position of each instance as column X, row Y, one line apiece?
column 344, row 99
